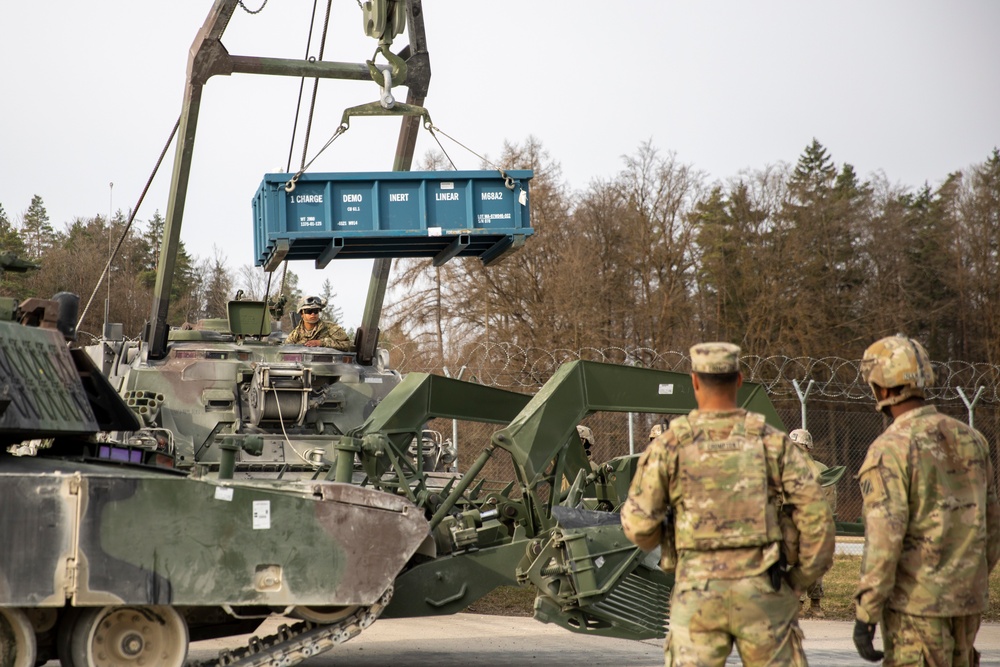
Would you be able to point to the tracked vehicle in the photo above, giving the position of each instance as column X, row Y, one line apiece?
column 225, row 477
column 110, row 556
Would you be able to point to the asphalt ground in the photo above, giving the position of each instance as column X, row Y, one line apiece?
column 495, row 641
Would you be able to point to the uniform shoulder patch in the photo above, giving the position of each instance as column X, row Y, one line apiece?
column 870, row 479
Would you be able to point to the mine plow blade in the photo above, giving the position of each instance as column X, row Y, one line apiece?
column 591, row 579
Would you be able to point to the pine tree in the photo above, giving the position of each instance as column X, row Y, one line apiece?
column 332, row 312
column 823, row 213
column 36, row 231
column 10, row 243
column 10, row 240
column 218, row 286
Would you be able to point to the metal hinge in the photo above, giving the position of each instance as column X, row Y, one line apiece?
column 74, row 486
column 71, row 573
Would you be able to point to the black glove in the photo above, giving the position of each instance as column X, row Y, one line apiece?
column 864, row 634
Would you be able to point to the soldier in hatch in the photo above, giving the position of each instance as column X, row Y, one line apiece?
column 932, row 520
column 722, row 471
column 314, row 332
column 815, row 591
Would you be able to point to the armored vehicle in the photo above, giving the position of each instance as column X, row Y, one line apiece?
column 226, row 396
column 219, row 477
column 111, row 556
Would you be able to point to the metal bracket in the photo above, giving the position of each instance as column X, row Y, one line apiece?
column 376, row 109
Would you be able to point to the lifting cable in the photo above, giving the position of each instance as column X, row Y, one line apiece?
column 298, row 110
column 434, row 130
column 302, row 83
column 131, row 219
column 312, row 104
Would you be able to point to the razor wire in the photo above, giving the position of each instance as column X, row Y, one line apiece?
column 512, row 366
column 841, row 411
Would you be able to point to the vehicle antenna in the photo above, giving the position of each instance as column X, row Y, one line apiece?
column 107, row 301
column 131, row 218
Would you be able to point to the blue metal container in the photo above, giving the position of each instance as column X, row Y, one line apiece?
column 438, row 214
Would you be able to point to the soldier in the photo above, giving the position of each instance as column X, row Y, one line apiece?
column 314, row 332
column 720, row 473
column 932, row 521
column 815, row 592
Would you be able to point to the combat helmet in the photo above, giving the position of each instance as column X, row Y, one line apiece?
column 802, row 437
column 897, row 361
column 656, row 431
column 311, row 302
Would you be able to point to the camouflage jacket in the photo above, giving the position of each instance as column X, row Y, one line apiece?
column 329, row 334
column 789, row 477
column 932, row 521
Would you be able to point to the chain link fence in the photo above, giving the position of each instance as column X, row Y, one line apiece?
column 827, row 396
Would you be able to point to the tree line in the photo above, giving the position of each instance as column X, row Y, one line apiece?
column 73, row 259
column 807, row 259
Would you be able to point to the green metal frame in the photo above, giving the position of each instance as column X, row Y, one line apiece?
column 589, row 577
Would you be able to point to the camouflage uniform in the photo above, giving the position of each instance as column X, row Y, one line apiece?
column 723, row 474
column 932, row 535
column 932, row 521
column 815, row 591
column 328, row 333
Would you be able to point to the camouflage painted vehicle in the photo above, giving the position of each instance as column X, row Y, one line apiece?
column 224, row 477
column 554, row 527
column 232, row 400
column 110, row 557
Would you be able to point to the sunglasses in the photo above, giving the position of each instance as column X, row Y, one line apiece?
column 310, row 311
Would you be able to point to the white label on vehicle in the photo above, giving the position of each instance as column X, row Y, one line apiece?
column 447, row 185
column 433, row 231
column 666, row 389
column 373, row 380
column 223, row 493
column 522, row 198
column 261, row 515
column 599, row 562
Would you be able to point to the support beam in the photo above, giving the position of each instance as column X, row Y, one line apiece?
column 501, row 249
column 332, row 248
column 460, row 243
column 281, row 248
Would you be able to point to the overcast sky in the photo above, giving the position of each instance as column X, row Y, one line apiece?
column 90, row 91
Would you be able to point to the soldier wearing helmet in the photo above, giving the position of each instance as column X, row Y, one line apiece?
column 815, row 591
column 932, row 520
column 721, row 472
column 315, row 332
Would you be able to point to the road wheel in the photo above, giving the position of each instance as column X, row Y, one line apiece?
column 155, row 636
column 17, row 639
column 322, row 615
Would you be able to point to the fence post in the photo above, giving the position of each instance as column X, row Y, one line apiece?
column 971, row 406
column 454, row 422
column 631, row 416
column 802, row 398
